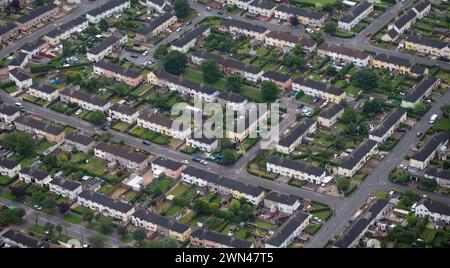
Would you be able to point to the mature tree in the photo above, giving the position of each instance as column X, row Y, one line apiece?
column 122, row 231
column 294, row 20
column 87, row 215
column 234, row 83
column 97, row 117
column 161, row 51
column 340, row 143
column 14, row 6
column 63, row 208
column 175, row 62
column 211, row 71
column 331, row 71
column 67, row 48
column 49, row 202
column 50, row 161
column 21, row 143
column 97, row 241
column 220, row 42
column 350, row 116
column 103, row 25
column 92, row 30
column 181, row 8
column 372, row 107
column 330, row 27
column 446, row 111
column 121, row 89
column 73, row 76
column 269, row 91
column 365, row 79
column 11, row 217
column 229, row 157
column 342, row 184
column 138, row 235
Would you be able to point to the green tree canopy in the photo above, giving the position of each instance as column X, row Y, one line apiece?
column 181, row 8
column 269, row 91
column 330, row 27
column 365, row 79
column 175, row 62
column 211, row 72
column 21, row 143
column 234, row 83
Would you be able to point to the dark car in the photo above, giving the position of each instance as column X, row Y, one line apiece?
column 146, row 142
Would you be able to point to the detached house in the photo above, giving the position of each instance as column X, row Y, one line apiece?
column 105, row 205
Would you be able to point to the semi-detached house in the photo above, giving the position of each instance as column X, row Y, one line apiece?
column 162, row 125
column 86, row 101
column 39, row 128
column 427, row 152
column 155, row 27
column 8, row 114
column 294, row 138
column 318, row 89
column 65, row 30
column 65, row 188
column 304, row 15
column 189, row 40
column 105, row 205
column 79, row 141
column 330, row 115
column 20, row 78
column 128, row 158
column 357, row 158
column 232, row 100
column 121, row 74
column 37, row 15
column 44, row 92
column 358, row 13
column 387, row 127
column 283, row 81
column 434, row 211
column 19, row 61
column 209, row 239
column 156, row 223
column 203, row 143
column 281, row 202
column 123, row 113
column 33, row 48
column 419, row 92
column 261, row 8
column 33, row 175
column 9, row 168
column 287, row 41
column 295, row 169
column 291, row 229
column 168, row 167
column 107, row 10
column 344, row 54
column 441, row 176
column 106, row 47
column 237, row 189
column 238, row 27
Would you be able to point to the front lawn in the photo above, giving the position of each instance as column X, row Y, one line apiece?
column 120, row 126
column 5, row 180
column 73, row 218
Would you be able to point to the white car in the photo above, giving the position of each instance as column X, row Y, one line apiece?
column 37, row 207
column 18, row 104
column 185, row 162
column 204, row 162
column 145, row 53
column 179, row 29
column 78, row 112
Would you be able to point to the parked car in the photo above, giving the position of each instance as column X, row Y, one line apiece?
column 146, row 142
column 37, row 207
column 78, row 112
column 203, row 162
column 18, row 104
column 419, row 134
column 185, row 162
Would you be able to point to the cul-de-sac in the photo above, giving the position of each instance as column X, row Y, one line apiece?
column 224, row 124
